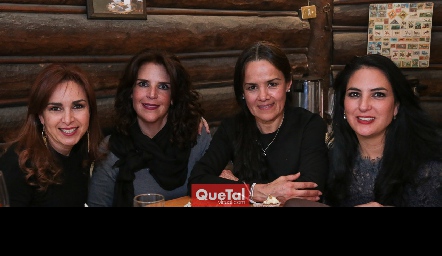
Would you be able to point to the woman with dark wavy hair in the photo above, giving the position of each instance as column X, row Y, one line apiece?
column 158, row 134
column 49, row 162
column 385, row 150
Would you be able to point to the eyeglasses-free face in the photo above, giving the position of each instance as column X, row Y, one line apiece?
column 265, row 94
column 66, row 117
column 151, row 98
column 369, row 103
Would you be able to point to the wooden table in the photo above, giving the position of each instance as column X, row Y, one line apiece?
column 177, row 202
column 180, row 202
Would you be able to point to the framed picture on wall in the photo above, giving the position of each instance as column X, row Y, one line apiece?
column 117, row 9
column 402, row 32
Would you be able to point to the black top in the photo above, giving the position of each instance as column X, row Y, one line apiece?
column 298, row 147
column 71, row 193
column 427, row 193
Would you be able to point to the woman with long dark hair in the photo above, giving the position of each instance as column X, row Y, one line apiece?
column 276, row 149
column 158, row 135
column 385, row 150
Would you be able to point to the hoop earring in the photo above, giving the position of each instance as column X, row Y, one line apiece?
column 345, row 117
column 45, row 138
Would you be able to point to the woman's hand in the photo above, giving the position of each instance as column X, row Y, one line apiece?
column 371, row 204
column 205, row 124
column 227, row 174
column 285, row 187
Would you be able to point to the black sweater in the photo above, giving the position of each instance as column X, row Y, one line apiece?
column 71, row 193
column 299, row 147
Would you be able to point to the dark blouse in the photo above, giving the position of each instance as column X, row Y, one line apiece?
column 427, row 194
column 298, row 147
column 71, row 193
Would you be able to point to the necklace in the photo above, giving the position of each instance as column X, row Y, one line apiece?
column 277, row 131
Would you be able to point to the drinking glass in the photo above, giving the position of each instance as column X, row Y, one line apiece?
column 149, row 200
column 4, row 197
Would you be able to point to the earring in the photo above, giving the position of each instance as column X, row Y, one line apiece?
column 243, row 96
column 43, row 135
column 88, row 141
column 91, row 169
column 288, row 90
column 345, row 117
column 394, row 117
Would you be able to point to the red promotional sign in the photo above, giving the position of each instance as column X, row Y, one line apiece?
column 220, row 195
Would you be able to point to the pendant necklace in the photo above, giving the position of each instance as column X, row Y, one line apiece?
column 277, row 131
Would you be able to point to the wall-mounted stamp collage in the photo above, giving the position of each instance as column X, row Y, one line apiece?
column 402, row 32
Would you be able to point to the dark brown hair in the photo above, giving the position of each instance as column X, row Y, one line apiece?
column 247, row 151
column 185, row 113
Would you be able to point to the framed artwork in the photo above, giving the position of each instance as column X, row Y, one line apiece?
column 117, row 9
column 402, row 32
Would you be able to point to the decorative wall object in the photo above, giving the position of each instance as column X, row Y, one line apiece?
column 401, row 31
column 117, row 9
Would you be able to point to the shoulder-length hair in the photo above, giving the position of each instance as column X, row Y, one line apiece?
column 246, row 166
column 185, row 113
column 35, row 159
column 412, row 139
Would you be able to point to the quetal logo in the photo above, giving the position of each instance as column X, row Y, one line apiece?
column 220, row 195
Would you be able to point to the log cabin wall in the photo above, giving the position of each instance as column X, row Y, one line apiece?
column 207, row 35
column 350, row 26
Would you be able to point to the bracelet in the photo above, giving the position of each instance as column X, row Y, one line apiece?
column 252, row 188
column 250, row 191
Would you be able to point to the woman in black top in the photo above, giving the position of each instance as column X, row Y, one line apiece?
column 49, row 162
column 275, row 148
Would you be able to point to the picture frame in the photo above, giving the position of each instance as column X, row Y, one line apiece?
column 117, row 9
column 402, row 32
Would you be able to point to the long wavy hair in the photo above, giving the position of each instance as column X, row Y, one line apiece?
column 185, row 113
column 412, row 139
column 249, row 164
column 35, row 159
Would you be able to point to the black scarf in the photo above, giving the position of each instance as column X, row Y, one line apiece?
column 166, row 162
